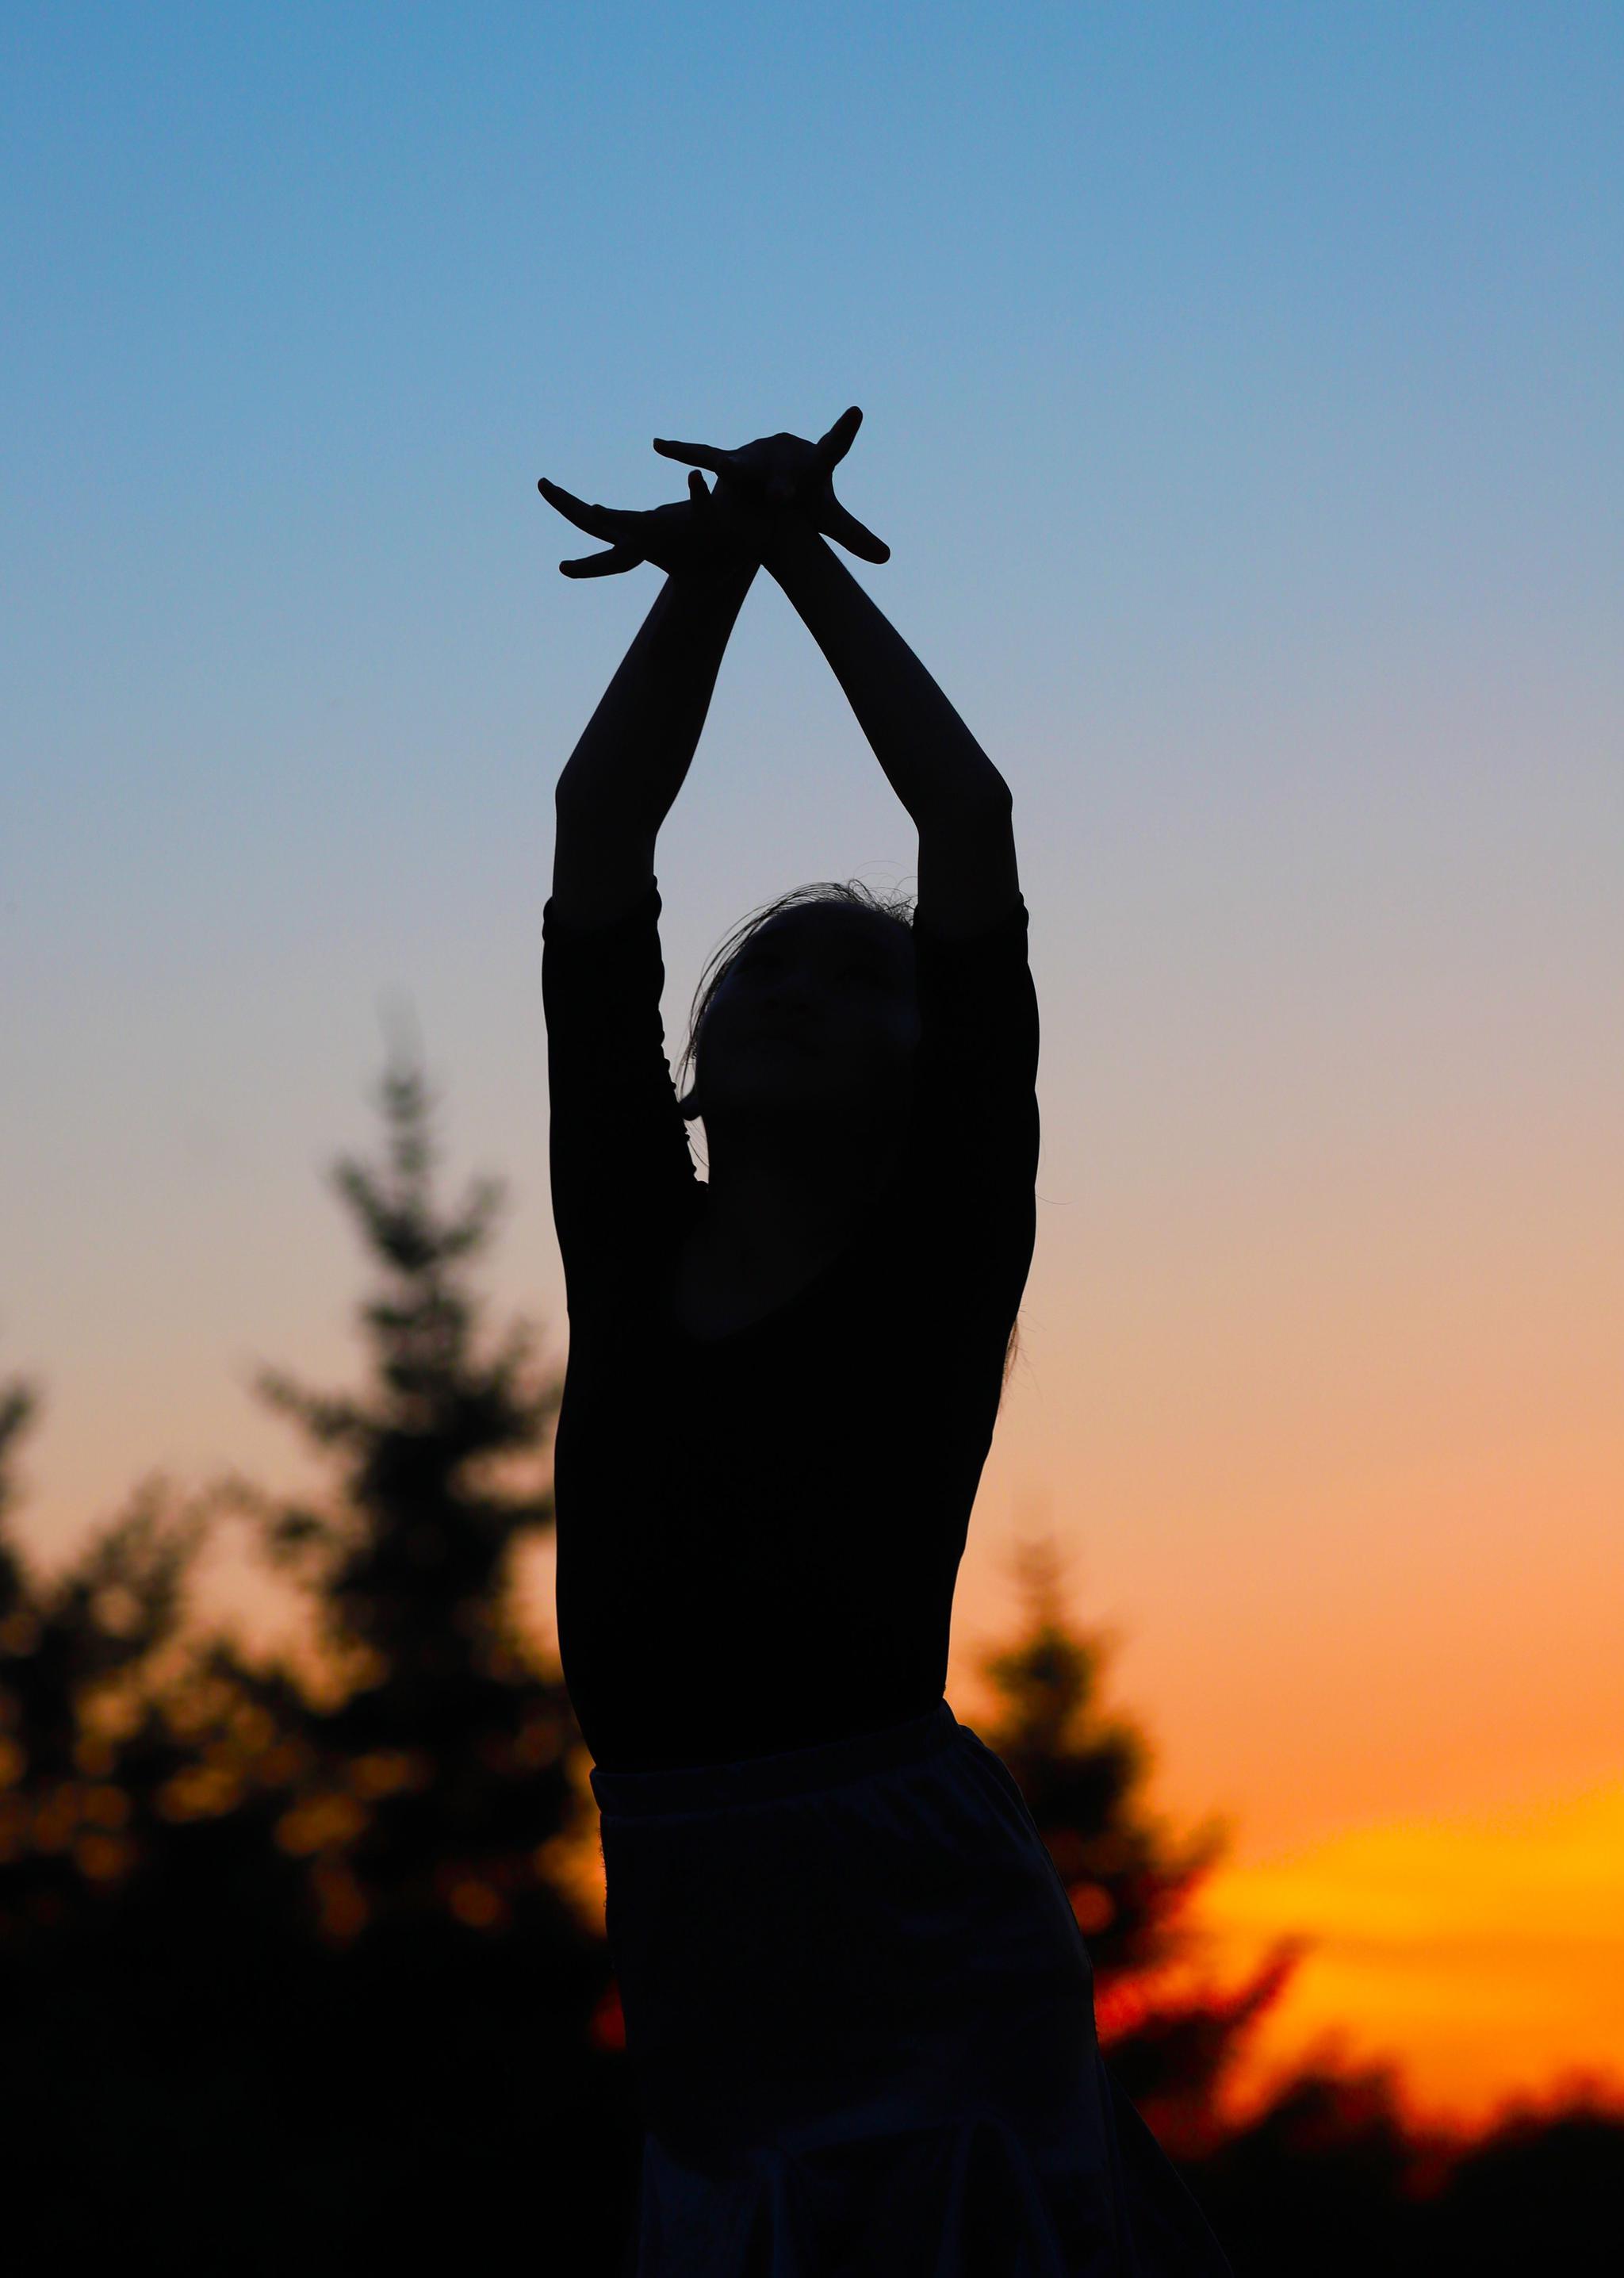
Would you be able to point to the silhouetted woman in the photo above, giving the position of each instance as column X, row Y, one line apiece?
column 857, row 2005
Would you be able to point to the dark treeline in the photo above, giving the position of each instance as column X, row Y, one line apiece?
column 295, row 1972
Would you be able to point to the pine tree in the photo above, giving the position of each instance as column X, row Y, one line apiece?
column 1083, row 1772
column 437, row 1789
column 85, row 1746
column 441, row 1772
column 299, row 1948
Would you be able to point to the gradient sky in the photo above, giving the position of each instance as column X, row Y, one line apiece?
column 1242, row 390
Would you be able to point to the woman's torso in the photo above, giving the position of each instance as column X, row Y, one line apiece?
column 763, row 1485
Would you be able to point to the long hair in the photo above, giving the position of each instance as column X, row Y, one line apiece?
column 895, row 909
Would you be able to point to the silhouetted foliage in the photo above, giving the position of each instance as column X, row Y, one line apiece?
column 1541, row 2190
column 86, row 1749
column 289, row 1973
column 1327, row 2174
column 434, row 1786
column 1130, row 1880
column 293, row 1957
column 1325, row 2177
column 437, row 1779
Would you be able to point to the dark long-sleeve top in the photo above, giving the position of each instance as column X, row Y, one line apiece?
column 759, row 1534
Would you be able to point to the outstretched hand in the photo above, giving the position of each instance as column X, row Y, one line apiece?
column 785, row 473
column 714, row 531
column 695, row 533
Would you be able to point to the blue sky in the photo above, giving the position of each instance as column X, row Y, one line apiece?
column 1242, row 395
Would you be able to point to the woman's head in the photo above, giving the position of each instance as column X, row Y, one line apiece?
column 808, row 1006
column 810, row 1003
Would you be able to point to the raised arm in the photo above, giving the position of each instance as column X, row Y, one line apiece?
column 619, row 782
column 960, row 804
column 933, row 762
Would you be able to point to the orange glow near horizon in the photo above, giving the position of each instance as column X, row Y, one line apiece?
column 1483, row 1956
column 1412, row 1749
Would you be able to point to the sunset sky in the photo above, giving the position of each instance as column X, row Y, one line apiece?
column 1242, row 392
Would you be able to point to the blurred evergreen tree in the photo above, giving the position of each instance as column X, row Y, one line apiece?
column 287, row 1975
column 1171, row 2043
column 140, row 1965
column 440, row 1769
column 1326, row 2177
column 85, row 1747
column 440, row 1787
column 1542, row 2189
column 1327, row 2172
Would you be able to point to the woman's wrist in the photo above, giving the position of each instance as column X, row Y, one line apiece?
column 793, row 547
column 720, row 585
